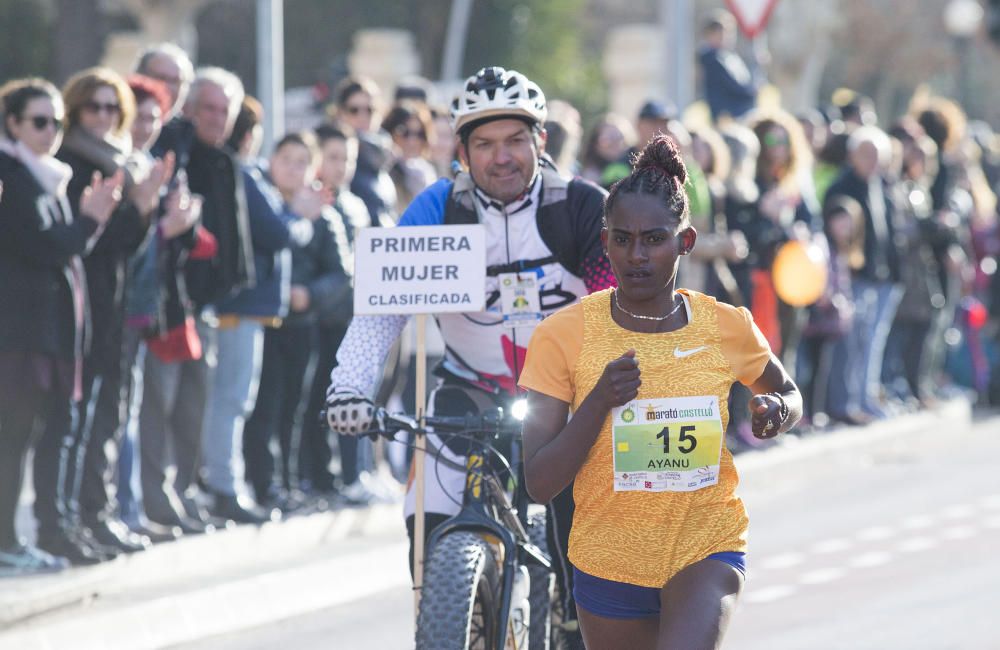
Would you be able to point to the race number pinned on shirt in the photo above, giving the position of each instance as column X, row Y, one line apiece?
column 519, row 300
column 667, row 444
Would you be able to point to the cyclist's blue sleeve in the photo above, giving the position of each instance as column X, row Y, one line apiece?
column 427, row 209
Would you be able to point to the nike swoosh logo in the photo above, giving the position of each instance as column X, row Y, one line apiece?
column 680, row 354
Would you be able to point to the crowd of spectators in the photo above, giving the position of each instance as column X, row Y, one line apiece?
column 174, row 303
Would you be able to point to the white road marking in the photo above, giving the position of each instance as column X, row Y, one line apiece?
column 819, row 576
column 783, row 561
column 917, row 544
column 831, row 546
column 875, row 533
column 769, row 594
column 870, row 559
column 958, row 532
column 992, row 522
column 959, row 511
column 918, row 521
column 991, row 501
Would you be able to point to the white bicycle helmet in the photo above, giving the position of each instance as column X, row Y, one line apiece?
column 495, row 92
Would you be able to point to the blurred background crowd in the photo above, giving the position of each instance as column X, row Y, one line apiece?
column 173, row 298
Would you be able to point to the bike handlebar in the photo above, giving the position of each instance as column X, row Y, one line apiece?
column 493, row 422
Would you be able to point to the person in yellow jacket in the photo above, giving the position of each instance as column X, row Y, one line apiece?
column 628, row 396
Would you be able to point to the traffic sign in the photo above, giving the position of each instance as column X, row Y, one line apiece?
column 752, row 15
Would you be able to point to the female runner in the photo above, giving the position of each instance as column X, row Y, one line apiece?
column 627, row 396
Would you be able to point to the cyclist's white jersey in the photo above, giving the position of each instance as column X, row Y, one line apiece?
column 553, row 231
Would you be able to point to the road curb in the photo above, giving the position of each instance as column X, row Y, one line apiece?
column 29, row 598
column 227, row 607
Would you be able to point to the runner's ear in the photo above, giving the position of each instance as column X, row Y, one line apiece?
column 688, row 238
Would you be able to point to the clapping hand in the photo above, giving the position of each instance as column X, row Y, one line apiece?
column 146, row 193
column 309, row 201
column 182, row 212
column 102, row 196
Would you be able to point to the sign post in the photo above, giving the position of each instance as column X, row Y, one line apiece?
column 420, row 270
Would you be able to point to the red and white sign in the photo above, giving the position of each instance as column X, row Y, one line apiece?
column 752, row 15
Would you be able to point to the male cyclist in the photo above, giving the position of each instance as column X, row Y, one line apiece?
column 542, row 235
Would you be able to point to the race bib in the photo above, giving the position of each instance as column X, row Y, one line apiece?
column 667, row 444
column 519, row 301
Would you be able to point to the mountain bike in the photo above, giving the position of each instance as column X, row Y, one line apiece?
column 488, row 584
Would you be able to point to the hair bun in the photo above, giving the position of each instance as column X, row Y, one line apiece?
column 662, row 154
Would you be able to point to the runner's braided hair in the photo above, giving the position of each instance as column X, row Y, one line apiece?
column 658, row 171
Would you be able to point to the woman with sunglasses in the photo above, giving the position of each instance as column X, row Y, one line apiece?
column 410, row 126
column 100, row 108
column 357, row 107
column 42, row 288
column 787, row 209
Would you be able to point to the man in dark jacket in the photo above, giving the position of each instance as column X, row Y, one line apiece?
column 175, row 394
column 730, row 86
column 241, row 319
column 876, row 284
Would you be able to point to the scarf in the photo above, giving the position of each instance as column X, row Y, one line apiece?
column 53, row 175
column 107, row 156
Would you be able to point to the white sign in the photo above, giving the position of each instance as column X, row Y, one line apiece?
column 752, row 15
column 420, row 270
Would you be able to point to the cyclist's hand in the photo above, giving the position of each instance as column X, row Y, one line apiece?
column 348, row 411
column 620, row 381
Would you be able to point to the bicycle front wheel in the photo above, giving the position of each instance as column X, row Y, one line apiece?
column 460, row 599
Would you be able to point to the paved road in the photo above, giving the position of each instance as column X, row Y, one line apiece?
column 893, row 547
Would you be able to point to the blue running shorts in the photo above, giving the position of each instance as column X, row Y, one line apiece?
column 623, row 600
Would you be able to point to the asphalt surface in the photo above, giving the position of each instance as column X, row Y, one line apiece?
column 889, row 545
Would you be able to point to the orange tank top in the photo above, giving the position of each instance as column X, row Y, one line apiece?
column 645, row 537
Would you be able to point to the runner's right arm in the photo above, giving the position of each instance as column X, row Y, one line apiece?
column 554, row 449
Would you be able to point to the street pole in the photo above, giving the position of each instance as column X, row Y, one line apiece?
column 271, row 68
column 454, row 42
column 962, row 46
column 677, row 21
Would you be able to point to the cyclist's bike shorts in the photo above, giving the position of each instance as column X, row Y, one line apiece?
column 612, row 599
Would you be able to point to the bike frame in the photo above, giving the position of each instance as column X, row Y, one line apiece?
column 483, row 492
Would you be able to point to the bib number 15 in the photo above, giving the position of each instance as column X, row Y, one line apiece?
column 685, row 438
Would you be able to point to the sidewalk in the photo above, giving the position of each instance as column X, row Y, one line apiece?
column 247, row 577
